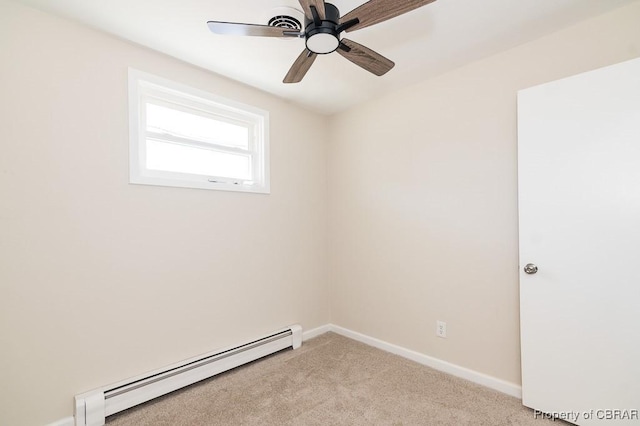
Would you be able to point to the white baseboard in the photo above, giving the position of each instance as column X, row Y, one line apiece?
column 435, row 363
column 315, row 332
column 68, row 421
column 491, row 382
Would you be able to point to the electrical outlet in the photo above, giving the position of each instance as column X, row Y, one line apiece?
column 441, row 329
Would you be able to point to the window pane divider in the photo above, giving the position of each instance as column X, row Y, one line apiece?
column 167, row 137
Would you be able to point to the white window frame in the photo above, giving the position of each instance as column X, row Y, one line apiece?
column 144, row 87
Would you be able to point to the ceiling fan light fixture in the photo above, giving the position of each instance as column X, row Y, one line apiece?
column 323, row 42
column 323, row 25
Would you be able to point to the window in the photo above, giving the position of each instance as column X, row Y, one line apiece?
column 180, row 136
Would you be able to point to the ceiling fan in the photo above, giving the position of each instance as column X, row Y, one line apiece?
column 323, row 27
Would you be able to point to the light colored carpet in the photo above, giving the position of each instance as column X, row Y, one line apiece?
column 331, row 380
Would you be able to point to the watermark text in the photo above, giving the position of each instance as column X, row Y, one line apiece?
column 598, row 414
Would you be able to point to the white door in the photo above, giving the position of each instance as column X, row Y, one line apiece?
column 579, row 203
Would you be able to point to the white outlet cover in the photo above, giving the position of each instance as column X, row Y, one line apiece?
column 441, row 329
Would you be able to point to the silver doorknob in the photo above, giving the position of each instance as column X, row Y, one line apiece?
column 530, row 268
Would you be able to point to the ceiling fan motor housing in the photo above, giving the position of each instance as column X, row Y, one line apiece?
column 324, row 38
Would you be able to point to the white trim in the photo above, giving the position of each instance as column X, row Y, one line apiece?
column 67, row 421
column 491, row 382
column 315, row 332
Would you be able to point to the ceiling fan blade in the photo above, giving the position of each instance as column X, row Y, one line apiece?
column 365, row 57
column 233, row 28
column 318, row 4
column 300, row 67
column 376, row 11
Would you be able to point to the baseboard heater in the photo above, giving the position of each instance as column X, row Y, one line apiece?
column 92, row 408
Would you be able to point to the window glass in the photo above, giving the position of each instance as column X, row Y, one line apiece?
column 194, row 125
column 178, row 158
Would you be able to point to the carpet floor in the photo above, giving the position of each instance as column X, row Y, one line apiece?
column 331, row 380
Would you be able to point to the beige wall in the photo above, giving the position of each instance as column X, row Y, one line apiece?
column 423, row 208
column 101, row 280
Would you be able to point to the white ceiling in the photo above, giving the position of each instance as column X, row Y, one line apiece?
column 423, row 43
